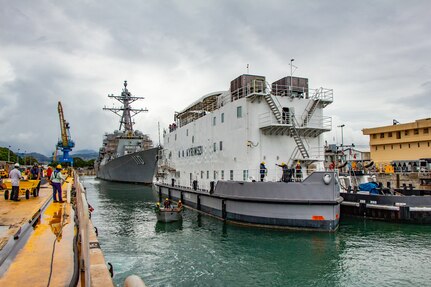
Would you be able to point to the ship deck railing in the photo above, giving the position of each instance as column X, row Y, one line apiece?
column 274, row 174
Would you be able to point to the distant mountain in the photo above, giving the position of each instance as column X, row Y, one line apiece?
column 87, row 155
column 84, row 151
column 38, row 156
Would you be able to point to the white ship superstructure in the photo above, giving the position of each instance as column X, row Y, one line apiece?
column 226, row 135
column 214, row 150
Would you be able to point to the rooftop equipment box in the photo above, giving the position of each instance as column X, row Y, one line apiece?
column 246, row 84
column 299, row 87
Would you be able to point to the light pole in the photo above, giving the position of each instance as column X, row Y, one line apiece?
column 17, row 157
column 8, row 155
column 291, row 73
column 342, row 137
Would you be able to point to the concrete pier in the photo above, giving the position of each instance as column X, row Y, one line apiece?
column 39, row 242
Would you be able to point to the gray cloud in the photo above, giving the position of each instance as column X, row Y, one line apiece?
column 375, row 55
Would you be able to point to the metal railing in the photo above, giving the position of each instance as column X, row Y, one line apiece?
column 83, row 219
column 323, row 94
column 274, row 174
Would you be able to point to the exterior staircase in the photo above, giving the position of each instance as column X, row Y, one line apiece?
column 309, row 111
column 292, row 128
column 299, row 143
column 272, row 105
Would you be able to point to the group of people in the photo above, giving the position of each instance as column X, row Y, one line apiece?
column 167, row 204
column 54, row 177
column 287, row 173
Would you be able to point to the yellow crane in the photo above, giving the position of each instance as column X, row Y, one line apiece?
column 65, row 144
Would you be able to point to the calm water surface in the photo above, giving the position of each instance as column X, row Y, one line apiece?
column 202, row 251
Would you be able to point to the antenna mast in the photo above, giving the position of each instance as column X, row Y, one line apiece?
column 126, row 112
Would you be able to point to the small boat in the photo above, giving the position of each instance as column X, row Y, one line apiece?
column 168, row 214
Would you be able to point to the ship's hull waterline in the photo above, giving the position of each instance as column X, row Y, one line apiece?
column 266, row 204
column 138, row 167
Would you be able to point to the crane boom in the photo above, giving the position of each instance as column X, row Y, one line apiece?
column 66, row 143
column 63, row 125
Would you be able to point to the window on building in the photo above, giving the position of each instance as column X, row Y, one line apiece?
column 222, row 117
column 221, row 145
column 208, row 174
column 214, row 121
column 231, row 174
column 175, row 136
column 239, row 112
column 401, row 146
column 168, row 139
column 392, row 146
column 406, row 133
column 179, row 153
column 222, row 174
column 398, row 135
column 182, row 153
column 416, row 131
column 382, row 135
column 384, row 147
column 409, row 145
column 202, row 174
column 215, row 175
column 376, row 147
column 389, row 134
column 426, row 131
column 374, row 136
column 215, row 147
column 193, row 139
column 419, row 144
column 187, row 132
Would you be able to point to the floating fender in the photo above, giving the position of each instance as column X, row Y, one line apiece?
column 327, row 178
column 134, row 281
column 111, row 269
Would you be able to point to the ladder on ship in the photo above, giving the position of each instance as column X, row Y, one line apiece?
column 292, row 129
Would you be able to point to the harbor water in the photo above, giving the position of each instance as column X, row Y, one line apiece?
column 203, row 251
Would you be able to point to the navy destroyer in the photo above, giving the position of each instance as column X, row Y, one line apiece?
column 127, row 155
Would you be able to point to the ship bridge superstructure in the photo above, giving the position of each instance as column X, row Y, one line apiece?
column 293, row 110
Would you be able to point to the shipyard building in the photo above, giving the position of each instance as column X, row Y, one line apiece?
column 401, row 145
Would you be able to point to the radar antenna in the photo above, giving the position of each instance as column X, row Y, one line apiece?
column 126, row 112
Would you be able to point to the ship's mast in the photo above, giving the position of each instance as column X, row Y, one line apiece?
column 126, row 112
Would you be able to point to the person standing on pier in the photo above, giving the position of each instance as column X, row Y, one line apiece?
column 57, row 179
column 49, row 173
column 15, row 176
column 35, row 172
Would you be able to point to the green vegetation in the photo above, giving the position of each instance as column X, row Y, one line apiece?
column 79, row 162
column 5, row 155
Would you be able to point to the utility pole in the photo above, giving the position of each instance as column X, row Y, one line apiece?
column 17, row 156
column 342, row 137
column 291, row 73
column 8, row 155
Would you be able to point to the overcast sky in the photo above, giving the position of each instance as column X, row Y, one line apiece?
column 375, row 55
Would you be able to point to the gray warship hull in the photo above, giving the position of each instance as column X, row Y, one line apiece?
column 307, row 205
column 138, row 167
